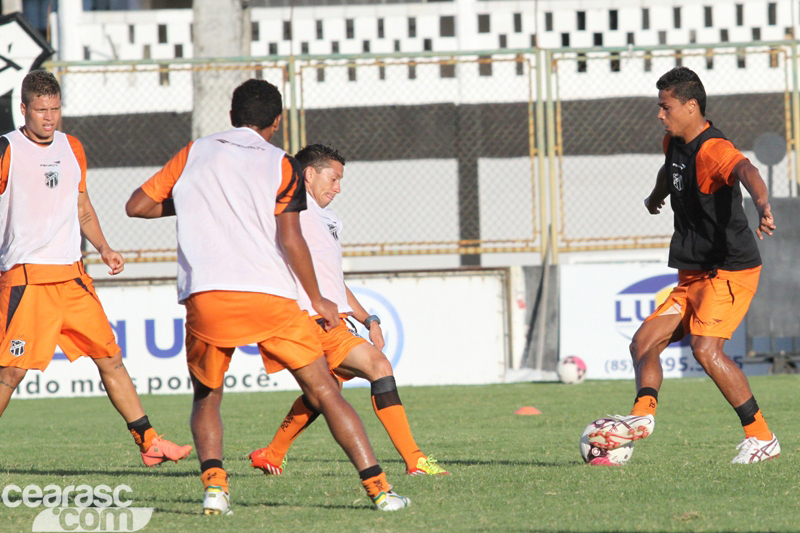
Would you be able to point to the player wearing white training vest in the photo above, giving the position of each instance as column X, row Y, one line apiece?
column 348, row 355
column 46, row 296
column 322, row 228
column 238, row 201
column 30, row 237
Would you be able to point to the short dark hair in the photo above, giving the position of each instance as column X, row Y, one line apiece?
column 685, row 85
column 39, row 83
column 255, row 103
column 318, row 156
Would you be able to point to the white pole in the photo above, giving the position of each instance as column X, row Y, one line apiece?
column 219, row 31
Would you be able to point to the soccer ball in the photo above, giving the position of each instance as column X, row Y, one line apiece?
column 571, row 370
column 598, row 456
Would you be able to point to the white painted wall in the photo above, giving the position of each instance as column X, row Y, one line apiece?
column 149, row 325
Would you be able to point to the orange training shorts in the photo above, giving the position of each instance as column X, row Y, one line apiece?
column 219, row 321
column 36, row 318
column 337, row 343
column 711, row 303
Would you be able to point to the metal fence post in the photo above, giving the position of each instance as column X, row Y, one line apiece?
column 294, row 121
column 551, row 155
column 540, row 153
column 795, row 113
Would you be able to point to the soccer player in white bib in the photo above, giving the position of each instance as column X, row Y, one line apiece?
column 46, row 296
column 237, row 199
column 348, row 355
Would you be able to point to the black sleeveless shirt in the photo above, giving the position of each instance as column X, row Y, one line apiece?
column 711, row 230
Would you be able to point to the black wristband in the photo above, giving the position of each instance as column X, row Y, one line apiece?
column 370, row 319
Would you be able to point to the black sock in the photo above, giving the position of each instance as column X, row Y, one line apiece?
column 140, row 426
column 747, row 411
column 647, row 391
column 369, row 472
column 210, row 463
column 384, row 391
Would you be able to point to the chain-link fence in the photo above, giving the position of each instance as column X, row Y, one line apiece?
column 464, row 153
column 440, row 150
column 611, row 143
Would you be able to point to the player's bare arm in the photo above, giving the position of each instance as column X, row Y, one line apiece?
column 140, row 205
column 655, row 201
column 361, row 314
column 295, row 248
column 90, row 228
column 749, row 176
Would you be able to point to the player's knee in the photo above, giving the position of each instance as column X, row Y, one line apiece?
column 379, row 367
column 706, row 353
column 632, row 350
column 312, row 401
column 639, row 348
column 322, row 395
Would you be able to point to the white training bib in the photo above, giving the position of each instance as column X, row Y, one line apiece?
column 39, row 208
column 322, row 229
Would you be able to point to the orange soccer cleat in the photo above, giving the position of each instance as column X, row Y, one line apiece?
column 260, row 459
column 162, row 450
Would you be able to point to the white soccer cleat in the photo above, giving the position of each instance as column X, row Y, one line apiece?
column 752, row 450
column 599, row 456
column 216, row 502
column 619, row 430
column 390, row 501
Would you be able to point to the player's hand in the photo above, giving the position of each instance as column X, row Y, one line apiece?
column 653, row 207
column 376, row 335
column 113, row 259
column 766, row 223
column 328, row 311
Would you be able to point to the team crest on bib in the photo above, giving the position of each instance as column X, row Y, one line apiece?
column 17, row 348
column 51, row 179
column 677, row 177
column 333, row 230
column 677, row 181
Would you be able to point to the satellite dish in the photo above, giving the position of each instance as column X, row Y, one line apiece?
column 770, row 148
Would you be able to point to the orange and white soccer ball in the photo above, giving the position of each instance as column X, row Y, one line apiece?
column 571, row 370
column 594, row 455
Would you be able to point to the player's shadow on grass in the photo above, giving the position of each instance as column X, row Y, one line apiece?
column 144, row 471
column 236, row 504
column 507, row 462
column 445, row 463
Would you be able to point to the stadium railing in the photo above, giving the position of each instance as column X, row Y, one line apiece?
column 448, row 152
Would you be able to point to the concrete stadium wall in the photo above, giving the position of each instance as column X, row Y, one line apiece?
column 440, row 328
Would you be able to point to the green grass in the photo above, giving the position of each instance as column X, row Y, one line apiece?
column 509, row 473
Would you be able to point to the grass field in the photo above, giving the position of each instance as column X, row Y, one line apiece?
column 509, row 473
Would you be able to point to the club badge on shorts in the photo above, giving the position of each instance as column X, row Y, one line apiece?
column 17, row 348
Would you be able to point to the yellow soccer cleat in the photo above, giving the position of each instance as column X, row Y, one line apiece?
column 427, row 466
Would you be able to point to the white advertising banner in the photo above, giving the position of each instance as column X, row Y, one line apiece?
column 440, row 328
column 602, row 306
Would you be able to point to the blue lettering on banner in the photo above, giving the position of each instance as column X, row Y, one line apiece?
column 391, row 324
column 636, row 302
column 150, row 339
column 122, row 337
column 618, row 316
column 639, row 315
